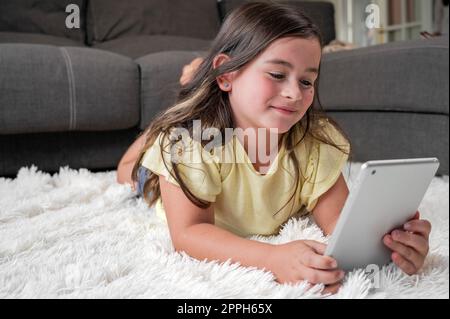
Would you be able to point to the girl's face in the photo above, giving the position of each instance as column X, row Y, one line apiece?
column 276, row 89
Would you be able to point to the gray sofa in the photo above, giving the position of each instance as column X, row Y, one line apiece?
column 79, row 97
column 393, row 99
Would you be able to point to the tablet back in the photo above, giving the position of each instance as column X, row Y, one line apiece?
column 384, row 196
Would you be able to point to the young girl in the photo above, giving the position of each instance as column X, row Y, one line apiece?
column 261, row 74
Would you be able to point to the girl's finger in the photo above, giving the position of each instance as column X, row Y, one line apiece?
column 416, row 216
column 316, row 261
column 421, row 227
column 332, row 289
column 321, row 261
column 407, row 253
column 326, row 277
column 414, row 241
column 405, row 265
column 317, row 246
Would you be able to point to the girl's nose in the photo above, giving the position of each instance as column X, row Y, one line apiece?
column 292, row 91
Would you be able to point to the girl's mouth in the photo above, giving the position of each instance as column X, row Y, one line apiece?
column 282, row 110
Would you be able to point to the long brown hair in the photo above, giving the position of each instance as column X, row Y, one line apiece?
column 245, row 33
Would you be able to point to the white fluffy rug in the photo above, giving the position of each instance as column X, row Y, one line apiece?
column 79, row 234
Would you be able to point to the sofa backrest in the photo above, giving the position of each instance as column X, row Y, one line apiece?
column 110, row 19
column 403, row 76
column 103, row 20
column 42, row 17
column 321, row 12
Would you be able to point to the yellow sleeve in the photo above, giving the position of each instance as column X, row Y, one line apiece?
column 199, row 170
column 324, row 166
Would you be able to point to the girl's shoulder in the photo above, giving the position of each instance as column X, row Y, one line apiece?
column 199, row 171
column 180, row 147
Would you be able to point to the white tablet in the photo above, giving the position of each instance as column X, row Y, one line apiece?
column 384, row 196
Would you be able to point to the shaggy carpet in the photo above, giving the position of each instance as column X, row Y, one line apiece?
column 78, row 234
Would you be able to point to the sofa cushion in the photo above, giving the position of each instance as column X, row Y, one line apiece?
column 321, row 12
column 36, row 38
column 50, row 151
column 73, row 93
column 380, row 80
column 141, row 45
column 395, row 135
column 111, row 19
column 45, row 17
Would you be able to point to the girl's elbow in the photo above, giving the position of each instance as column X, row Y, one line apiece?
column 120, row 174
column 179, row 246
column 179, row 241
column 183, row 239
column 123, row 175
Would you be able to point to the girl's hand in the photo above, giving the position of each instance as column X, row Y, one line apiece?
column 303, row 260
column 189, row 70
column 410, row 247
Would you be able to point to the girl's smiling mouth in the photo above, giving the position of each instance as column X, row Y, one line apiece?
column 284, row 110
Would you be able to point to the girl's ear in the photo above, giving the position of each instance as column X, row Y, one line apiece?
column 224, row 81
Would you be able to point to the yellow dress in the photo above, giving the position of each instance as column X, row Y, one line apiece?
column 246, row 202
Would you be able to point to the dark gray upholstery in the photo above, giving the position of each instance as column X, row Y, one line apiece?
column 36, row 38
column 64, row 101
column 392, row 100
column 159, row 77
column 320, row 12
column 110, row 19
column 404, row 76
column 142, row 45
column 74, row 90
column 48, row 151
column 396, row 135
column 43, row 17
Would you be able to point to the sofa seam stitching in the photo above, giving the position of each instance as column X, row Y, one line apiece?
column 71, row 82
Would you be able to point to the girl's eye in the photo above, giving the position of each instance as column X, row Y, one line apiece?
column 306, row 83
column 277, row 76
column 280, row 76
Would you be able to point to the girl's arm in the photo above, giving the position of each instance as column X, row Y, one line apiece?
column 329, row 206
column 128, row 160
column 192, row 230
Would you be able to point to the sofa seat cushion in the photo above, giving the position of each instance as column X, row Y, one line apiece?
column 380, row 80
column 81, row 89
column 36, row 38
column 138, row 46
